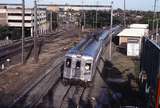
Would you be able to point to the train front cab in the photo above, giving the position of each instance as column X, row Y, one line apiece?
column 77, row 69
column 67, row 67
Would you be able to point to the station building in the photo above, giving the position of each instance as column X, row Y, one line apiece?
column 130, row 38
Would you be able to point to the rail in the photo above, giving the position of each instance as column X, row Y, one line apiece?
column 15, row 46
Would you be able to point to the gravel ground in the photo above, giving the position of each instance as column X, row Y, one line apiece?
column 19, row 76
column 120, row 76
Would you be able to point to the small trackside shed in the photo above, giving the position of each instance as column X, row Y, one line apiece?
column 130, row 38
column 139, row 26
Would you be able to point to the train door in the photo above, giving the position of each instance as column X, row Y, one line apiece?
column 67, row 67
column 158, row 96
column 77, row 73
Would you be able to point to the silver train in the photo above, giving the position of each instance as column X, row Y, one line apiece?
column 81, row 61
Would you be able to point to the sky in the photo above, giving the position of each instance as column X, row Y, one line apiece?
column 130, row 4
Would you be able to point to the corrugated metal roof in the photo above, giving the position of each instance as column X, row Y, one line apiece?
column 133, row 32
column 139, row 26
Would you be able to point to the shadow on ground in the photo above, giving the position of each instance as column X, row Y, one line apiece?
column 121, row 89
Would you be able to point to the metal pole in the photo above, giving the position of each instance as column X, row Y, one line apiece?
column 32, row 24
column 57, row 21
column 124, row 22
column 35, row 33
column 84, row 19
column 10, row 4
column 23, row 25
column 111, row 23
column 96, row 16
column 157, row 30
column 93, row 20
column 154, row 16
column 51, row 21
column 84, row 16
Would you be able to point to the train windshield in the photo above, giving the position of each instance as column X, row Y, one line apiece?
column 78, row 65
column 68, row 62
column 88, row 66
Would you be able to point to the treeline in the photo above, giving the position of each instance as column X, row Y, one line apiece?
column 133, row 16
column 12, row 33
column 103, row 19
column 54, row 19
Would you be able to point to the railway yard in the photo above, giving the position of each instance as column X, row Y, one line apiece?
column 82, row 55
column 19, row 79
column 39, row 85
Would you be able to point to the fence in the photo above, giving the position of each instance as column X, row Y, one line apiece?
column 150, row 64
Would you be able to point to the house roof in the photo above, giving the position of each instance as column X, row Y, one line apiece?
column 133, row 32
column 139, row 26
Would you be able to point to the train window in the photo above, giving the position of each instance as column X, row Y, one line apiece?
column 88, row 66
column 68, row 62
column 78, row 64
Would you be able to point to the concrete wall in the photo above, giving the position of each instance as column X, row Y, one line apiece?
column 13, row 18
column 3, row 17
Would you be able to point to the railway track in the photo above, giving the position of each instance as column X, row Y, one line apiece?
column 75, row 97
column 33, row 92
column 13, row 49
column 32, row 96
column 16, row 45
column 70, row 96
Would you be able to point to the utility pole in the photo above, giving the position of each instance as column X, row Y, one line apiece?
column 51, row 21
column 57, row 20
column 111, row 23
column 32, row 23
column 84, row 17
column 93, row 20
column 157, row 26
column 96, row 15
column 124, row 19
column 35, row 33
column 154, row 16
column 23, row 34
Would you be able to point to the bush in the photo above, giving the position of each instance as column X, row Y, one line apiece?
column 12, row 32
column 4, row 31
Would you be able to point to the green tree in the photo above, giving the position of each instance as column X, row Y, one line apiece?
column 4, row 32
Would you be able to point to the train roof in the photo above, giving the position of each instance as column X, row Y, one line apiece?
column 89, row 50
column 90, row 45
